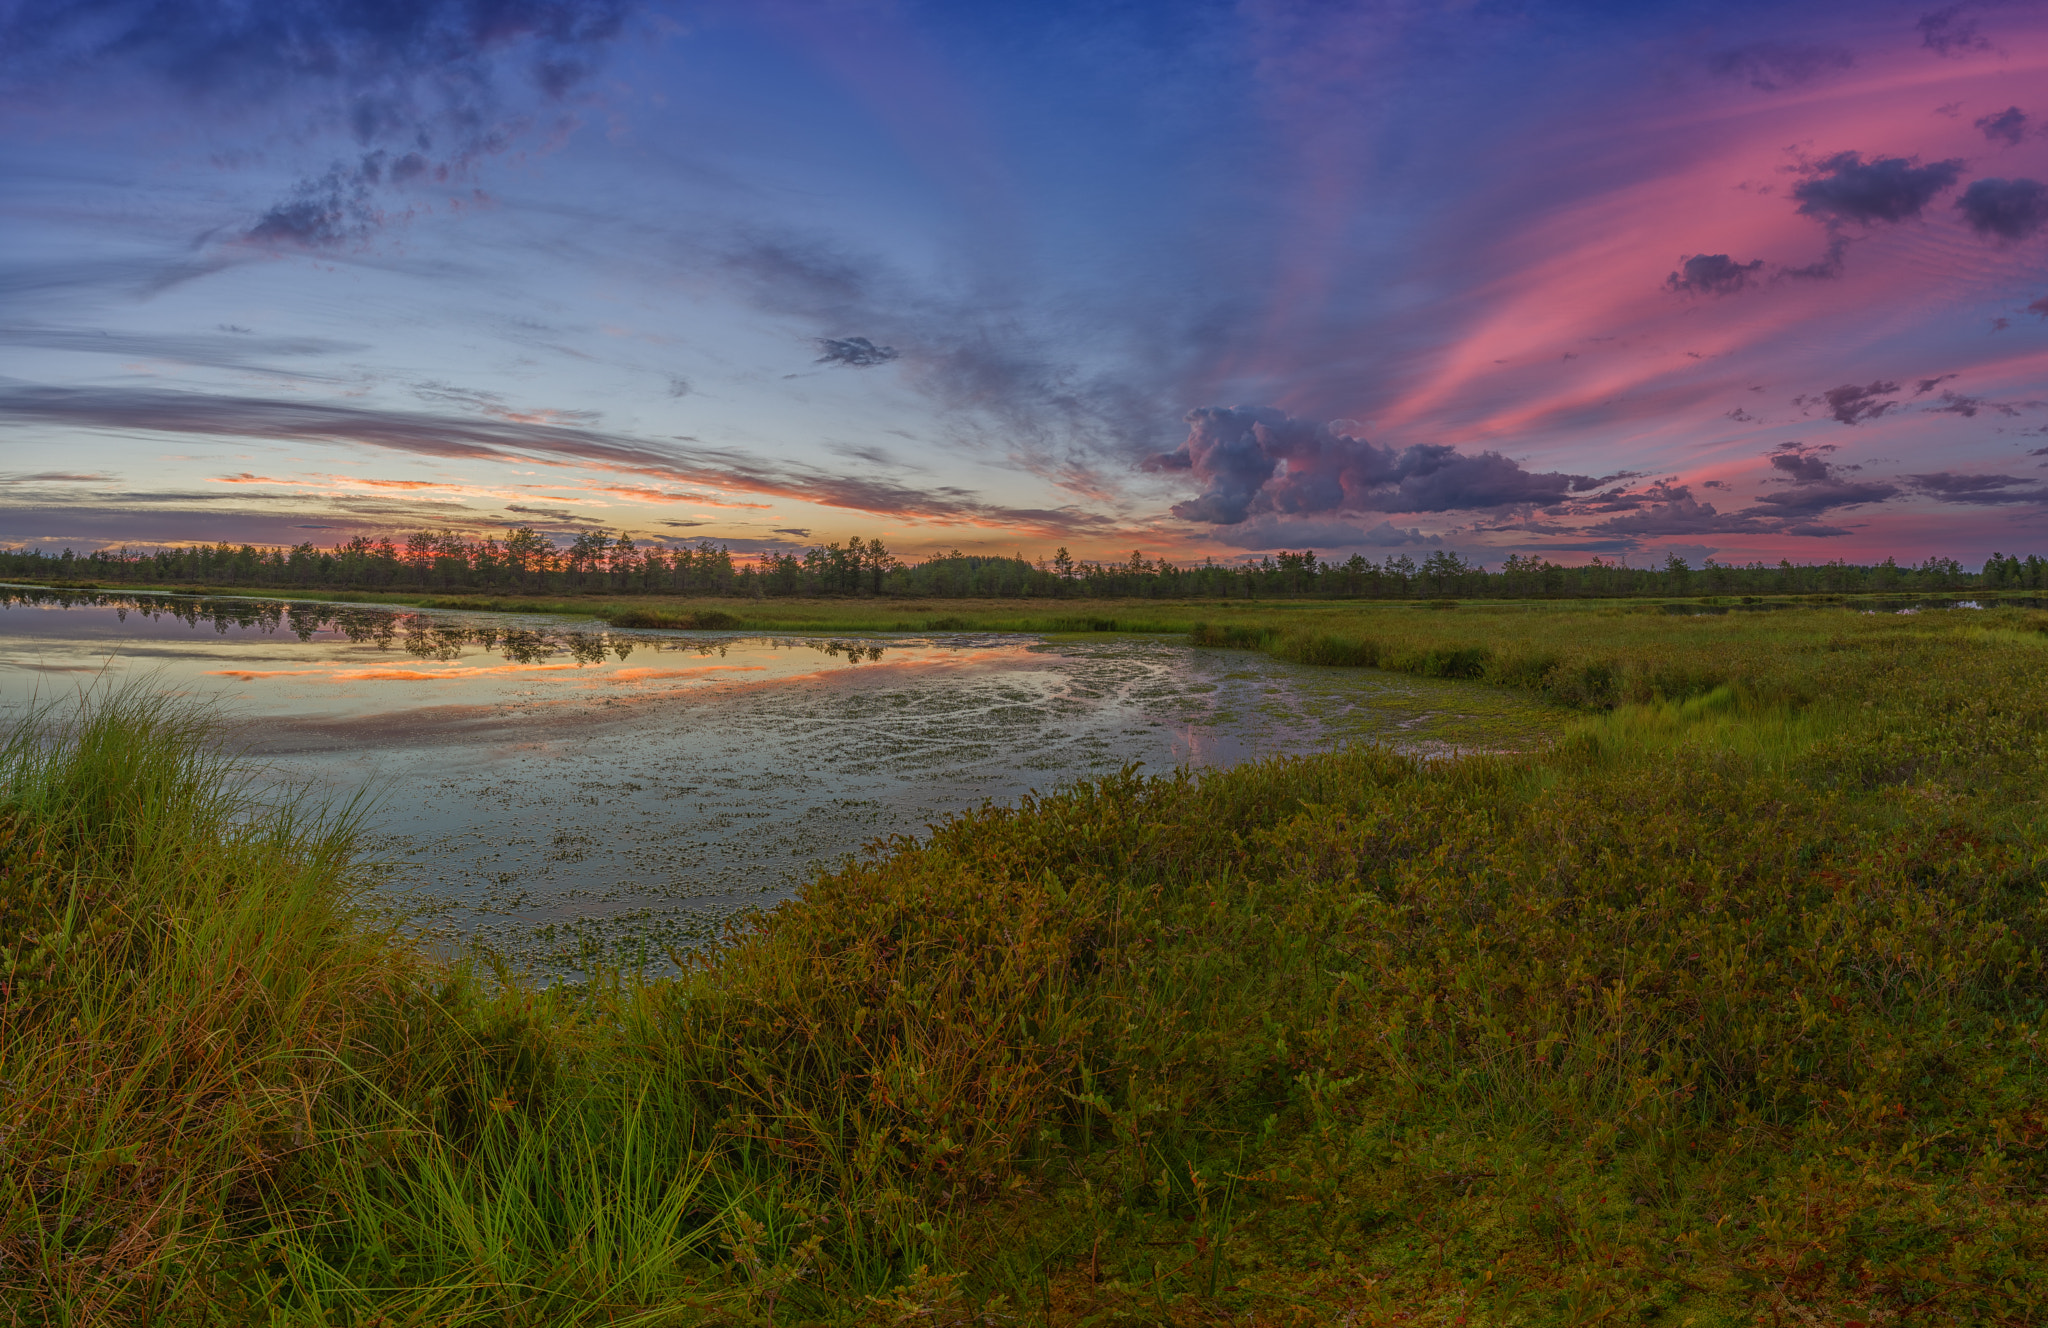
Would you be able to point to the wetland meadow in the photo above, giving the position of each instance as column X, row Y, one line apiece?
column 1515, row 963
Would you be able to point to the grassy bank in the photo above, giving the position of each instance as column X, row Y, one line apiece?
column 1252, row 620
column 1725, row 1009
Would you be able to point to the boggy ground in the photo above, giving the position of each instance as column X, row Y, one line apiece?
column 840, row 613
column 1724, row 1009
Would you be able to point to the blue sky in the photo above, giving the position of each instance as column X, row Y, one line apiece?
column 1197, row 279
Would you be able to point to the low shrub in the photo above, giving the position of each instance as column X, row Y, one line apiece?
column 696, row 620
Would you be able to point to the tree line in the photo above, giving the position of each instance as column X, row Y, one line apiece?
column 527, row 562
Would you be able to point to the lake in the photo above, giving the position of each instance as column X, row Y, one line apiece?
column 565, row 793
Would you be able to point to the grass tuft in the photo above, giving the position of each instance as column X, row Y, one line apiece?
column 1725, row 1008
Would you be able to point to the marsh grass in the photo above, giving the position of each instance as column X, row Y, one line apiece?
column 1724, row 1009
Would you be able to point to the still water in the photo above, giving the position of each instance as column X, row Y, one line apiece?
column 560, row 792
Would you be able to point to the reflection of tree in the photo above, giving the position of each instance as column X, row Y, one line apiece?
column 422, row 635
column 854, row 652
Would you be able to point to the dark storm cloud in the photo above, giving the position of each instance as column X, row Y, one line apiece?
column 2005, row 209
column 1815, row 484
column 1712, row 274
column 1812, row 486
column 422, row 433
column 853, row 352
column 1851, row 404
column 1255, row 459
column 1803, row 464
column 1846, row 188
column 1980, row 490
column 1275, row 532
column 1773, row 67
column 2008, row 126
column 1676, row 512
column 1682, row 514
column 1949, row 32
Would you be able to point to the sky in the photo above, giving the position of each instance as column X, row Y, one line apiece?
column 1565, row 280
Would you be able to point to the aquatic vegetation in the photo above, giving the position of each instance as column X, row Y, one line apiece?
column 1726, row 1005
column 699, row 620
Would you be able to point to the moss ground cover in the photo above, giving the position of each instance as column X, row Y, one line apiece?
column 1725, row 1008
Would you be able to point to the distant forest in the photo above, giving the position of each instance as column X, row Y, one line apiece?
column 526, row 562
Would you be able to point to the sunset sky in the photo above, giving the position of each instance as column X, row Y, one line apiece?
column 1200, row 279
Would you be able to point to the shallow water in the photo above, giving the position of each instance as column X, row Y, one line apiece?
column 562, row 793
column 1893, row 604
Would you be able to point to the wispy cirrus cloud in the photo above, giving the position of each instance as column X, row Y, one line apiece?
column 463, row 438
column 221, row 349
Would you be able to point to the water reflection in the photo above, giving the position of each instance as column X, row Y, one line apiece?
column 435, row 636
column 547, row 786
column 1754, row 604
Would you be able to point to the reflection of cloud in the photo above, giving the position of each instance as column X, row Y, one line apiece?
column 342, row 673
column 453, row 674
column 665, row 675
column 250, row 675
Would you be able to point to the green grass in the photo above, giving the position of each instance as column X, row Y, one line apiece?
column 1724, row 1009
column 1250, row 620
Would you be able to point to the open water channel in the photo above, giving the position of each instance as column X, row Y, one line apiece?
column 562, row 793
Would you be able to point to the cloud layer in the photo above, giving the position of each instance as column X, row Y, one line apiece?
column 1256, row 459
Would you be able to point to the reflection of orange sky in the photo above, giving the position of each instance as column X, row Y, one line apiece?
column 418, row 674
column 603, row 673
column 651, row 675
